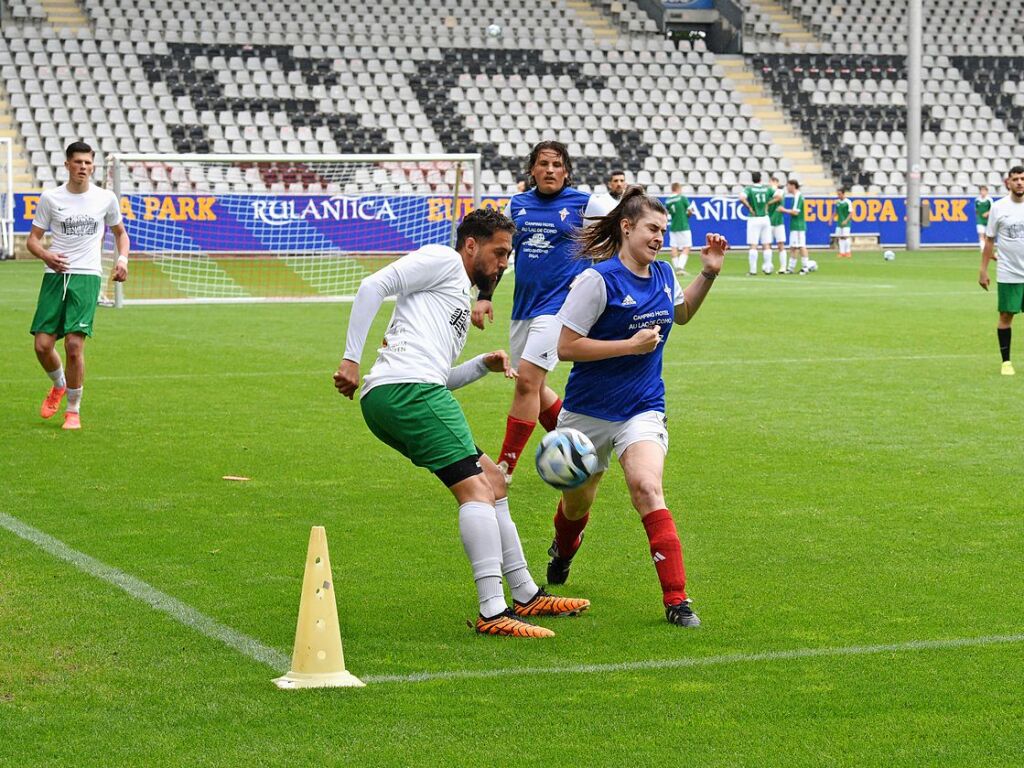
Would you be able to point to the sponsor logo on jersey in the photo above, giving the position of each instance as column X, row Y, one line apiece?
column 80, row 226
column 537, row 242
column 629, row 301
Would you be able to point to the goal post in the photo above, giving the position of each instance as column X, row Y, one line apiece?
column 6, row 198
column 247, row 228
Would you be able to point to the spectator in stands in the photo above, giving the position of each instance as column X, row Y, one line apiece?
column 76, row 214
column 1005, row 233
column 841, row 217
column 982, row 205
column 616, row 185
column 547, row 218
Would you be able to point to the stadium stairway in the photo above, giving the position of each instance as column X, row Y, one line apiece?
column 64, row 14
column 798, row 158
column 593, row 20
column 24, row 181
column 789, row 28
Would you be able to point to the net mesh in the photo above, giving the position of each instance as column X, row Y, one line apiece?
column 6, row 200
column 253, row 229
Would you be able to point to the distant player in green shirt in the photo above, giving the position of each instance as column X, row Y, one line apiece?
column 982, row 206
column 778, row 228
column 755, row 199
column 680, row 238
column 797, row 211
column 841, row 215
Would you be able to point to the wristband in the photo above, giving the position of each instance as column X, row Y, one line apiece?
column 122, row 259
column 709, row 276
column 484, row 296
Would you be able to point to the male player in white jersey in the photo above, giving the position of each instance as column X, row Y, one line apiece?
column 547, row 218
column 1005, row 233
column 407, row 403
column 75, row 214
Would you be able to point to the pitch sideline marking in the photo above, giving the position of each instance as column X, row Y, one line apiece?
column 181, row 612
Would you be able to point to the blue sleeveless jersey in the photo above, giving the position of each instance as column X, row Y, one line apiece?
column 545, row 251
column 621, row 387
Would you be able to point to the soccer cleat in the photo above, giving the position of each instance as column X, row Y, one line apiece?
column 508, row 624
column 543, row 604
column 71, row 421
column 505, row 472
column 751, row 274
column 1007, row 369
column 682, row 615
column 558, row 567
column 52, row 402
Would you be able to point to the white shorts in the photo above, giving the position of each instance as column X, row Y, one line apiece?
column 683, row 239
column 535, row 341
column 980, row 228
column 798, row 239
column 759, row 231
column 648, row 426
column 779, row 233
column 842, row 231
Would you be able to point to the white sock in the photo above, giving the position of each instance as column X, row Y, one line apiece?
column 752, row 256
column 792, row 263
column 767, row 257
column 57, row 377
column 74, row 400
column 846, row 246
column 783, row 259
column 805, row 261
column 513, row 561
column 675, row 262
column 478, row 528
column 682, row 262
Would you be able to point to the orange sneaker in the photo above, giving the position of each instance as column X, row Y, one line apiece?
column 71, row 421
column 510, row 625
column 52, row 402
column 543, row 604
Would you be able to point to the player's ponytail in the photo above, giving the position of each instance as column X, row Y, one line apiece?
column 601, row 236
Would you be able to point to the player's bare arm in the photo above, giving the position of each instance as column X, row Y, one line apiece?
column 55, row 261
column 575, row 347
column 988, row 254
column 712, row 256
column 123, row 245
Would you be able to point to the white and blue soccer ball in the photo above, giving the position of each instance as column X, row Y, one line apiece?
column 493, row 30
column 888, row 255
column 565, row 458
column 812, row 265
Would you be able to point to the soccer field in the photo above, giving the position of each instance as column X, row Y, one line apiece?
column 844, row 471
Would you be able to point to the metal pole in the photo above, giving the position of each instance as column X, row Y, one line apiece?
column 914, row 126
column 9, row 213
column 116, row 185
column 455, row 203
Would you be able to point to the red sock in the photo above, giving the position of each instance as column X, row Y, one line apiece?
column 567, row 532
column 517, row 435
column 668, row 555
column 549, row 418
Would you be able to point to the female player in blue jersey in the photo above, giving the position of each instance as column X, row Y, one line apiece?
column 615, row 322
column 547, row 217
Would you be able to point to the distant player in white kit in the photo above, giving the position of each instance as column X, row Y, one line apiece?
column 982, row 206
column 1005, row 233
column 407, row 403
column 77, row 215
column 756, row 198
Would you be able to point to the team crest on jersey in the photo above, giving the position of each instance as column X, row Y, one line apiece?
column 563, row 213
column 668, row 292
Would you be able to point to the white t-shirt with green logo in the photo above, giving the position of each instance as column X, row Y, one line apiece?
column 428, row 328
column 77, row 223
column 1006, row 227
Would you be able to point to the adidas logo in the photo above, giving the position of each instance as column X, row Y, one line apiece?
column 658, row 557
column 629, row 301
column 522, row 212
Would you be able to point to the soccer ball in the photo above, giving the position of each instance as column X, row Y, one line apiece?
column 888, row 255
column 565, row 458
column 493, row 30
column 812, row 265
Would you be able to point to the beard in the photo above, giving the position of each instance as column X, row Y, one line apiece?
column 484, row 282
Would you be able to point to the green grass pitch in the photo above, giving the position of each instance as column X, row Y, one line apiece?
column 845, row 472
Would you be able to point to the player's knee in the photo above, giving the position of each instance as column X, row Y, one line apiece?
column 74, row 345
column 43, row 344
column 495, row 479
column 646, row 493
column 531, row 379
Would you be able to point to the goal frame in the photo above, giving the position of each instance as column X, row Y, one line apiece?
column 7, row 212
column 113, row 164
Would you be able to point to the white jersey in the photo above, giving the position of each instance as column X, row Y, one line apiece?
column 1006, row 227
column 77, row 222
column 429, row 325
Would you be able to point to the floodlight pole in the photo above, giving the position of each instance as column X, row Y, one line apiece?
column 914, row 126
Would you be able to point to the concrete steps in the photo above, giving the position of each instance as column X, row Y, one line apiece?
column 594, row 20
column 64, row 14
column 791, row 30
column 24, row 179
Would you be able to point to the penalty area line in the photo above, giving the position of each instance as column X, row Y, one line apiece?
column 181, row 612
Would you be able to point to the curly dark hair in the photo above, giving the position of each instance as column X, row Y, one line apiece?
column 553, row 146
column 481, row 224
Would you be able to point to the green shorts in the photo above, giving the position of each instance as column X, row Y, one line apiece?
column 1011, row 297
column 62, row 310
column 423, row 422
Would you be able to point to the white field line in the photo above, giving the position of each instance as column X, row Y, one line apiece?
column 140, row 590
column 278, row 661
column 682, row 363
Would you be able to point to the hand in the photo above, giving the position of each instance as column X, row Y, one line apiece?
column 712, row 255
column 346, row 380
column 120, row 272
column 480, row 309
column 646, row 340
column 55, row 261
column 498, row 362
column 983, row 280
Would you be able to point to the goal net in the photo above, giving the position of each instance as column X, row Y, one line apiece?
column 217, row 228
column 6, row 199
